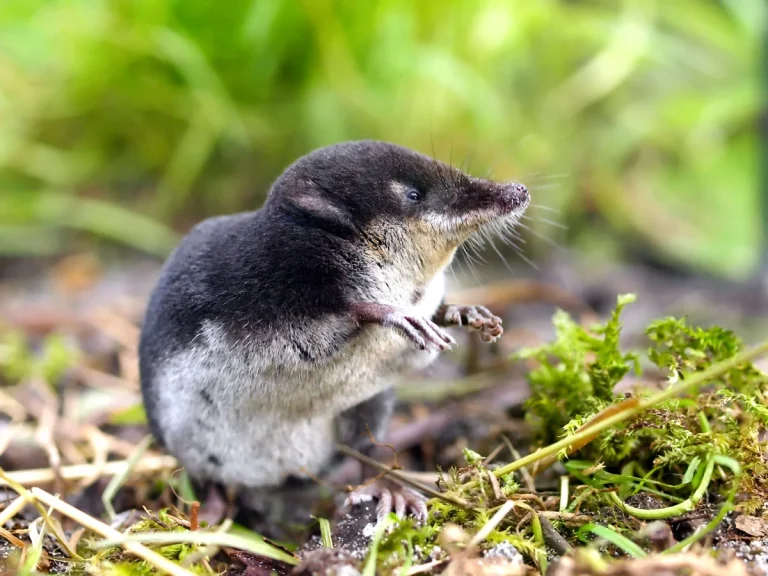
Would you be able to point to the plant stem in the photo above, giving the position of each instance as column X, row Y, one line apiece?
column 681, row 386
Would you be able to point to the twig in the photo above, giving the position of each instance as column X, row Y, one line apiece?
column 102, row 380
column 520, row 291
column 495, row 452
column 552, row 537
column 566, row 517
column 100, row 445
column 10, row 431
column 194, row 510
column 495, row 485
column 44, row 437
column 401, row 477
column 208, row 551
column 563, row 493
column 698, row 564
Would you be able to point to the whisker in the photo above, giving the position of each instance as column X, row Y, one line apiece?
column 469, row 256
column 535, row 187
column 453, row 272
column 511, row 237
column 504, row 260
column 475, row 245
column 546, row 208
column 544, row 176
column 548, row 240
column 541, row 236
column 432, row 141
column 552, row 223
column 470, row 265
column 465, row 166
column 545, row 220
column 527, row 260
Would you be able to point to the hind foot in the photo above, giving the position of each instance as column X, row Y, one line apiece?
column 392, row 498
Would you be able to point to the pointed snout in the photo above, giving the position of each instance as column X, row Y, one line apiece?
column 484, row 201
column 514, row 197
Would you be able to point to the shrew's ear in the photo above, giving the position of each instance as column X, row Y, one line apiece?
column 321, row 208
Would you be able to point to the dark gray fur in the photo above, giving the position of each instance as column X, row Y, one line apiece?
column 252, row 361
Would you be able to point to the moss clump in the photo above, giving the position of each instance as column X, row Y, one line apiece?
column 116, row 562
column 49, row 361
column 576, row 375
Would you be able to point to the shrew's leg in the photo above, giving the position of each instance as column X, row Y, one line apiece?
column 422, row 331
column 359, row 427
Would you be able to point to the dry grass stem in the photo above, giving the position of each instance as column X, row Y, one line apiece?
column 491, row 525
column 102, row 529
column 41, row 476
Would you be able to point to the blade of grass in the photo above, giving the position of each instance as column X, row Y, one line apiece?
column 669, row 511
column 405, row 568
column 538, row 537
column 605, row 414
column 119, row 479
column 620, row 541
column 325, row 532
column 259, row 547
column 370, row 563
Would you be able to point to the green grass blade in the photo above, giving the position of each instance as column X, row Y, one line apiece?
column 621, row 542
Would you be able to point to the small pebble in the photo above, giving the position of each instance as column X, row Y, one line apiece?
column 505, row 550
column 369, row 530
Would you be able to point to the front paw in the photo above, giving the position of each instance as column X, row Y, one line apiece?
column 477, row 318
column 421, row 331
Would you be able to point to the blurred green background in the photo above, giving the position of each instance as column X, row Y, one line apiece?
column 126, row 121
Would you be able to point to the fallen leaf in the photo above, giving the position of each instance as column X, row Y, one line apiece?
column 752, row 525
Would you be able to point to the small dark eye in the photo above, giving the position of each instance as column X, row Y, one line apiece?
column 414, row 195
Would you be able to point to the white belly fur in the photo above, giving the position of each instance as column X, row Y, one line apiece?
column 269, row 421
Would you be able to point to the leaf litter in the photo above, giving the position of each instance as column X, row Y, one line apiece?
column 630, row 462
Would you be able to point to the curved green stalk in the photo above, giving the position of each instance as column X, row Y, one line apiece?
column 735, row 468
column 681, row 508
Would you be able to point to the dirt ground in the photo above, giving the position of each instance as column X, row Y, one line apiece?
column 64, row 439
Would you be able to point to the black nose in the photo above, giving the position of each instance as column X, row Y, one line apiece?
column 519, row 194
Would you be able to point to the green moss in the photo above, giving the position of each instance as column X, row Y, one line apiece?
column 577, row 372
column 19, row 362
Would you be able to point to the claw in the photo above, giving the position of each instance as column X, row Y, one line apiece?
column 477, row 318
column 392, row 498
